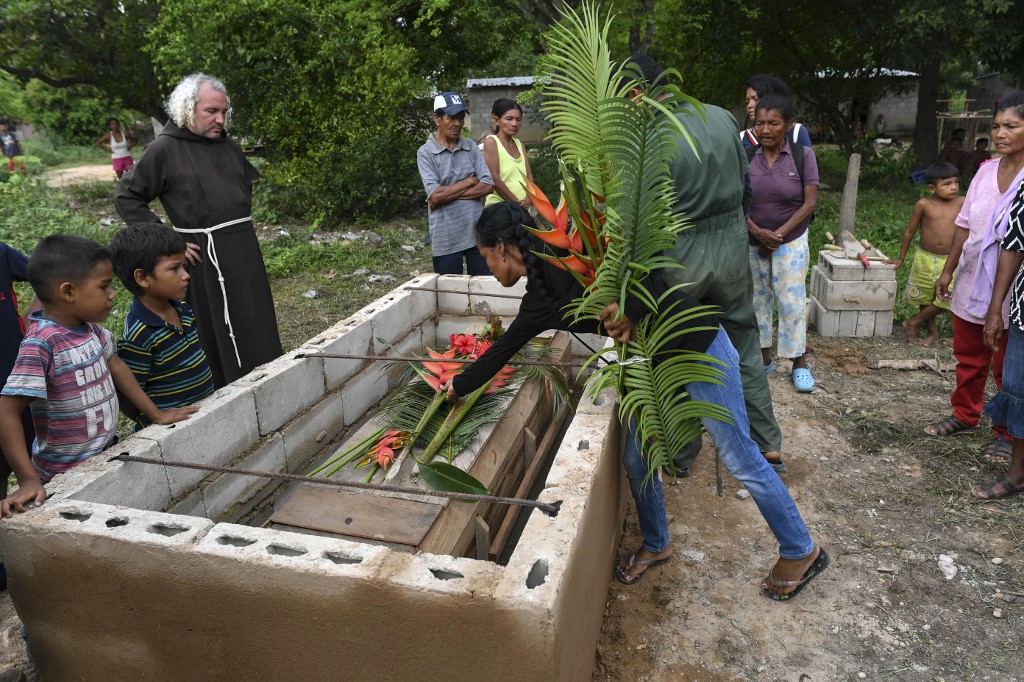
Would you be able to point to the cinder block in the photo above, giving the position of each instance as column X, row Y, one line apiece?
column 285, row 388
column 356, row 339
column 393, row 321
column 191, row 505
column 428, row 333
column 457, row 302
column 883, row 323
column 448, row 325
column 217, row 434
column 309, row 433
column 853, row 295
column 825, row 321
column 839, row 268
column 412, row 344
column 362, row 392
column 865, row 322
column 125, row 484
column 229, row 496
column 488, row 297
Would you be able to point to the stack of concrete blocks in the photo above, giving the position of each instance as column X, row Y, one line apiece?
column 848, row 299
column 133, row 571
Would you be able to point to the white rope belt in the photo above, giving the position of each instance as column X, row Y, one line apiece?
column 212, row 252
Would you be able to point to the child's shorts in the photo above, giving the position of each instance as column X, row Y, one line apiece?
column 122, row 164
column 924, row 272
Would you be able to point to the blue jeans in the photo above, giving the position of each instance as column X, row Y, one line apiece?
column 451, row 264
column 737, row 451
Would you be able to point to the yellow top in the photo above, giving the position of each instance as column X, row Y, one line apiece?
column 512, row 172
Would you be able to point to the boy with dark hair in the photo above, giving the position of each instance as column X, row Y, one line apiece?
column 935, row 215
column 159, row 341
column 66, row 370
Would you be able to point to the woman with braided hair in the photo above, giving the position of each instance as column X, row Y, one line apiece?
column 509, row 249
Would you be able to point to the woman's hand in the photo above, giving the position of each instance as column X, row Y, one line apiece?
column 942, row 286
column 618, row 326
column 993, row 328
column 449, row 390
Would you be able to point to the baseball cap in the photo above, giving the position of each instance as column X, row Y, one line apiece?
column 451, row 102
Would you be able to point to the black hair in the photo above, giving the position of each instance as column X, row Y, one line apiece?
column 940, row 171
column 63, row 258
column 651, row 69
column 981, row 141
column 140, row 246
column 778, row 102
column 503, row 222
column 765, row 85
column 112, row 118
column 503, row 105
column 1014, row 101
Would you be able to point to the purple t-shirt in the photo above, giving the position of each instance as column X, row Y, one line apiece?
column 777, row 192
column 74, row 405
column 982, row 198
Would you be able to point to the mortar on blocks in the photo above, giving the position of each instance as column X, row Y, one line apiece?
column 133, row 571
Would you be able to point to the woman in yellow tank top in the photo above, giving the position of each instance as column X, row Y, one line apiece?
column 506, row 156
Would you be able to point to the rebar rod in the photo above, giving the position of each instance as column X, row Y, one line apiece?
column 480, row 294
column 413, row 358
column 550, row 508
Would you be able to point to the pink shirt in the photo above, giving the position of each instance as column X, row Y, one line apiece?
column 981, row 200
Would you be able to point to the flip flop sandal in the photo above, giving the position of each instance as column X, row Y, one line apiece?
column 989, row 493
column 803, row 382
column 950, row 426
column 624, row 578
column 770, row 367
column 819, row 565
column 999, row 450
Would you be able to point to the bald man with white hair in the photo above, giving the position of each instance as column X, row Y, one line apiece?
column 204, row 182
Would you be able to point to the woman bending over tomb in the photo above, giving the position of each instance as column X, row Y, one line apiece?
column 508, row 248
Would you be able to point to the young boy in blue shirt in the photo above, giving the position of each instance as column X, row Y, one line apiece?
column 67, row 370
column 159, row 341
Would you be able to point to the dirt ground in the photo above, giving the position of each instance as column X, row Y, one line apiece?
column 79, row 175
column 884, row 499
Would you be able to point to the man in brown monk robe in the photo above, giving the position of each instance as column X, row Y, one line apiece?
column 204, row 183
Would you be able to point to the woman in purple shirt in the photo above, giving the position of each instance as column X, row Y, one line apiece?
column 782, row 203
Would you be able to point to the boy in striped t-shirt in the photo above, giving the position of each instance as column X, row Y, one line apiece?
column 159, row 341
column 66, row 370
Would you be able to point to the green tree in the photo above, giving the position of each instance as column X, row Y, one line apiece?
column 97, row 43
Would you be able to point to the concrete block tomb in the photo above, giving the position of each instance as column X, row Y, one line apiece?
column 137, row 571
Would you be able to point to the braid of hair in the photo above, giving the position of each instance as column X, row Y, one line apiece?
column 504, row 222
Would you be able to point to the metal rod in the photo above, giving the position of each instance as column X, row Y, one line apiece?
column 464, row 293
column 413, row 358
column 550, row 508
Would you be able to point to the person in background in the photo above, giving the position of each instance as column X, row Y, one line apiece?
column 11, row 148
column 67, row 370
column 784, row 196
column 119, row 143
column 987, row 201
column 456, row 180
column 936, row 216
column 204, row 182
column 506, row 157
column 980, row 155
column 760, row 85
column 880, row 126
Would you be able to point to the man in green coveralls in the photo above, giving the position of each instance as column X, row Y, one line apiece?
column 710, row 194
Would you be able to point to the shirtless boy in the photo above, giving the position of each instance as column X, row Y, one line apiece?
column 935, row 215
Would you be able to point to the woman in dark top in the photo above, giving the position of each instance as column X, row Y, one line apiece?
column 507, row 247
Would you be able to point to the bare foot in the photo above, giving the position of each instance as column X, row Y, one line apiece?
column 929, row 340
column 911, row 330
column 788, row 571
column 630, row 568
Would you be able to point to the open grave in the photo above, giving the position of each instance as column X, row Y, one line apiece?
column 134, row 570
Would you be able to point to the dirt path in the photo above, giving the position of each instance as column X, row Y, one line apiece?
column 80, row 175
column 885, row 502
column 883, row 499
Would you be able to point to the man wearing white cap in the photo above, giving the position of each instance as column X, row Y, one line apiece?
column 456, row 180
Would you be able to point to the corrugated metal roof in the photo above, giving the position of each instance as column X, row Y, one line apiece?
column 511, row 81
column 892, row 73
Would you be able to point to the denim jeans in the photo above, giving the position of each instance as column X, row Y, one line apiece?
column 451, row 264
column 738, row 453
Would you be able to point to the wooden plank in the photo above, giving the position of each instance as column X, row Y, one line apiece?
column 529, row 448
column 512, row 514
column 358, row 514
column 483, row 538
column 453, row 532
